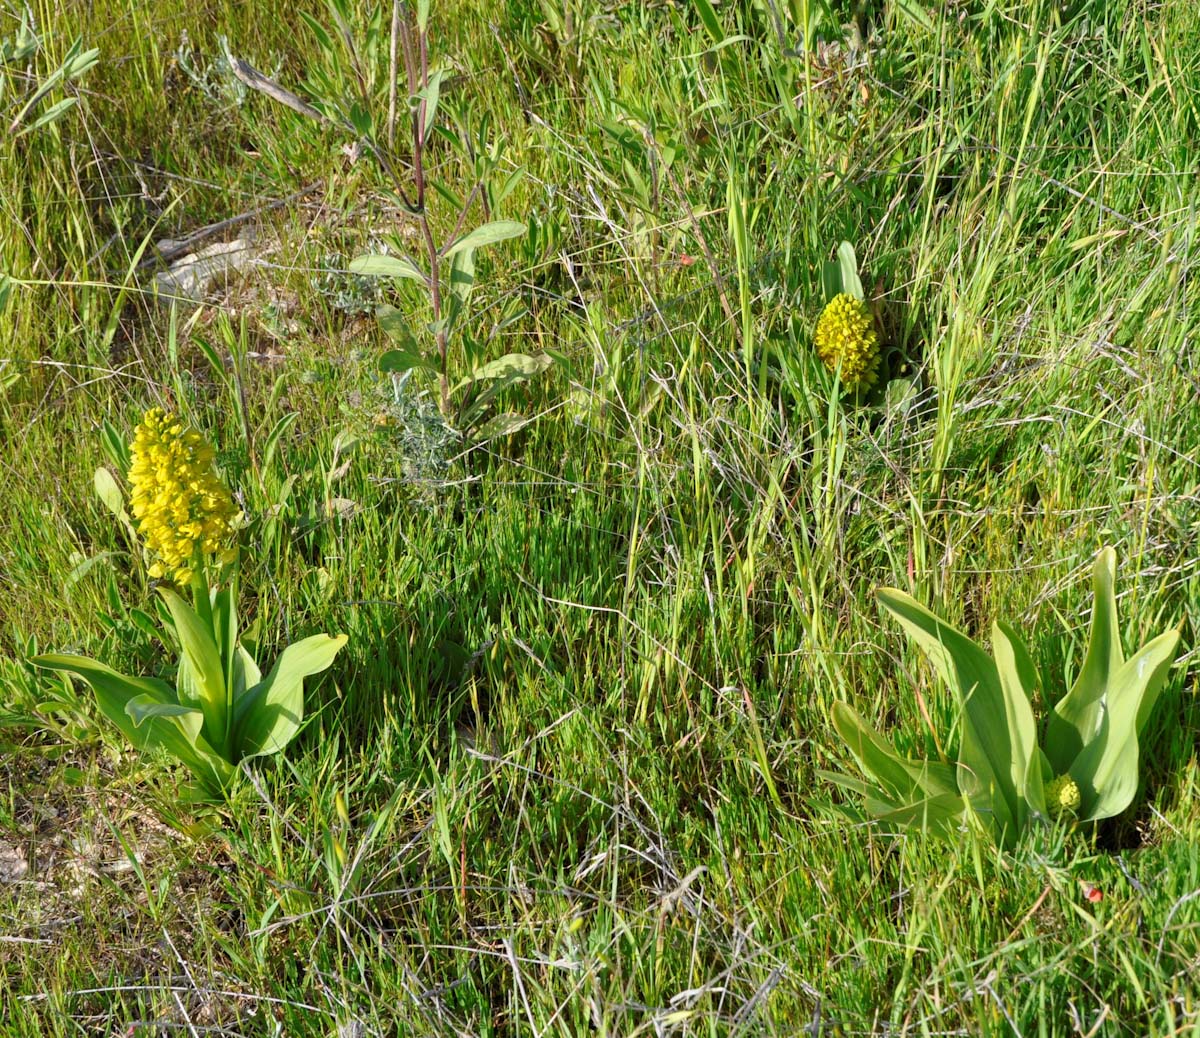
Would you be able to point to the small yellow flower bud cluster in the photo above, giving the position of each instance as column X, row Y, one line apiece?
column 182, row 509
column 846, row 337
column 1062, row 796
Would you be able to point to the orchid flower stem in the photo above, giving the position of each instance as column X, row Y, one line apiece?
column 201, row 599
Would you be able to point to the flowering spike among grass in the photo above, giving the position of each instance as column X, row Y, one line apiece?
column 845, row 338
column 221, row 710
column 182, row 509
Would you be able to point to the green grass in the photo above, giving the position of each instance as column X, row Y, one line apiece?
column 578, row 722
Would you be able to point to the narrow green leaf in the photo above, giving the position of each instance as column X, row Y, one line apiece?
column 78, row 62
column 324, row 41
column 84, row 565
column 47, row 84
column 506, row 188
column 1077, row 717
column 431, row 95
column 709, row 19
column 362, row 120
column 985, row 756
column 269, row 714
column 144, row 622
column 487, row 234
column 729, row 41
column 276, row 434
column 214, row 358
column 452, row 198
column 915, row 13
column 53, row 113
column 849, row 783
column 115, row 446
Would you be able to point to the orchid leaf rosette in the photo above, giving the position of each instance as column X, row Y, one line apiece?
column 222, row 709
column 1083, row 769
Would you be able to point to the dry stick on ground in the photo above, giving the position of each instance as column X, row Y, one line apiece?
column 185, row 245
column 255, row 80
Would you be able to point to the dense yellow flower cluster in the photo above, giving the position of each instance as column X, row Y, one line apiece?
column 183, row 510
column 1062, row 796
column 845, row 336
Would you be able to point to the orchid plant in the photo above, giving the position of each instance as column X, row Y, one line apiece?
column 221, row 710
column 1085, row 767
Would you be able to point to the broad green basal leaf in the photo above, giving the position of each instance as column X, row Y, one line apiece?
column 986, row 751
column 1077, row 718
column 114, row 693
column 204, row 675
column 269, row 715
column 144, row 707
column 941, row 815
column 1106, row 770
column 245, row 674
column 1018, row 681
column 900, row 779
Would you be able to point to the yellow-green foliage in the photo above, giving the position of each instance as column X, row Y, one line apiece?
column 1090, row 741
